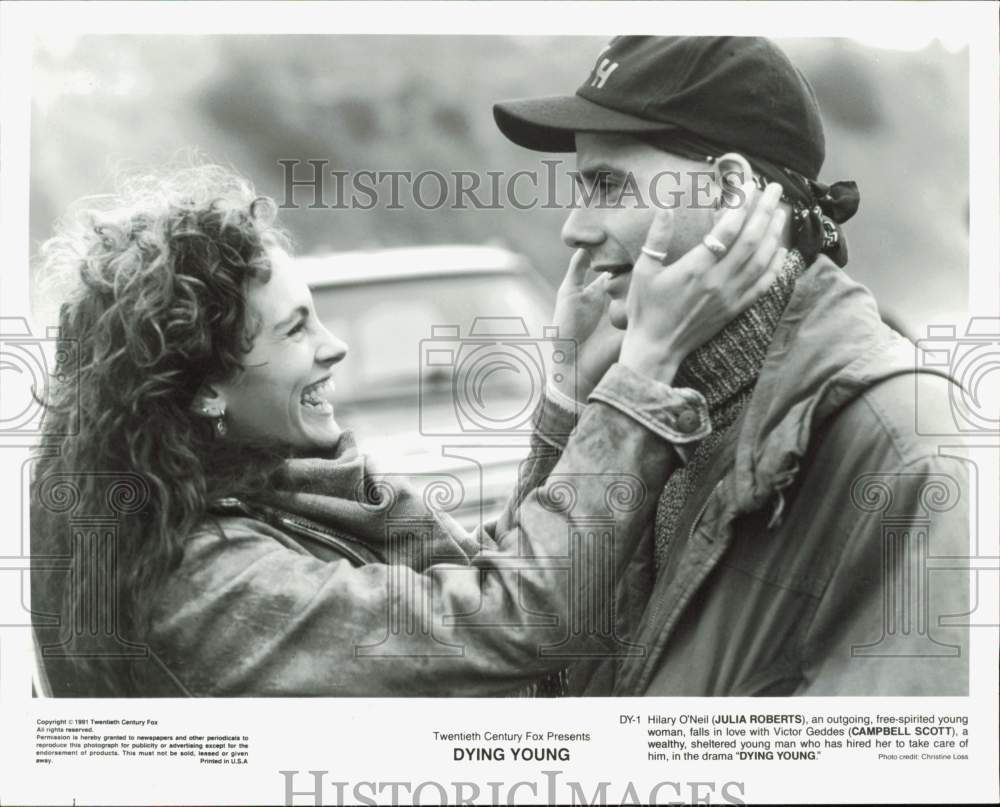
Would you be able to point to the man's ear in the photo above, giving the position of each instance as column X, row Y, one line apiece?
column 731, row 171
column 209, row 402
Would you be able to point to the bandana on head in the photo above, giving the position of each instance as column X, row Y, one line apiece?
column 818, row 210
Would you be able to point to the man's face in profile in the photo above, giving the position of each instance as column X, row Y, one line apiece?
column 626, row 181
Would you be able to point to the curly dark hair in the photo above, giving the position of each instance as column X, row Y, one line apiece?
column 161, row 273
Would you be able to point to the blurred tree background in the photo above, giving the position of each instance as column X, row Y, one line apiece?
column 896, row 123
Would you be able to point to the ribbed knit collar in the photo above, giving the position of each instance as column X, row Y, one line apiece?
column 727, row 366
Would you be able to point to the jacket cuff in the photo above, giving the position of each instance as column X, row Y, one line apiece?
column 678, row 415
column 554, row 422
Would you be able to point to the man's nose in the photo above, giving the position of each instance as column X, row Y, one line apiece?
column 580, row 230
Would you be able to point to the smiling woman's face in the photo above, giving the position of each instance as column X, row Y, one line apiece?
column 285, row 393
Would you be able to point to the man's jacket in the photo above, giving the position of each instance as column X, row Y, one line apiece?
column 813, row 560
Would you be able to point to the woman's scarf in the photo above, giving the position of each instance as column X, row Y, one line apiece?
column 343, row 492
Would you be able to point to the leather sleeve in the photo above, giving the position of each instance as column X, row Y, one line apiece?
column 248, row 616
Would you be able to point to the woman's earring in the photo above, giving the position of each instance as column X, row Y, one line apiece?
column 221, row 429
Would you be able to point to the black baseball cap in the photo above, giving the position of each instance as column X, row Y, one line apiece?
column 741, row 93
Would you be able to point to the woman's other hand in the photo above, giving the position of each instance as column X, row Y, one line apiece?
column 581, row 314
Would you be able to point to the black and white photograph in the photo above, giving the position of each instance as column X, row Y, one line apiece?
column 652, row 374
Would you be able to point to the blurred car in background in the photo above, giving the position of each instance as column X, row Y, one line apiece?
column 447, row 354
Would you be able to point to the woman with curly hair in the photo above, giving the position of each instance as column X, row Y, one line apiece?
column 252, row 549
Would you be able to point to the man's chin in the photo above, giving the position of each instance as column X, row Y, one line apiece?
column 617, row 315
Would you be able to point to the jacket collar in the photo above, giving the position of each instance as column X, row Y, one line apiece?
column 829, row 346
column 343, row 495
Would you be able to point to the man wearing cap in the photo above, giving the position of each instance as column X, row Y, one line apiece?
column 792, row 552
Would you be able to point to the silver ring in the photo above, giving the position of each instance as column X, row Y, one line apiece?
column 715, row 246
column 652, row 253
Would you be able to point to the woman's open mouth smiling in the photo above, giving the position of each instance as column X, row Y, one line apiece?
column 317, row 396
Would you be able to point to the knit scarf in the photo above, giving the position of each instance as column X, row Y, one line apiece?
column 343, row 492
column 724, row 370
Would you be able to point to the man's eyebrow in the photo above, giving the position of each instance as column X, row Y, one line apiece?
column 300, row 311
column 592, row 172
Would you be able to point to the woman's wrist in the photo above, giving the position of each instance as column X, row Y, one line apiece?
column 566, row 397
column 571, row 385
column 652, row 361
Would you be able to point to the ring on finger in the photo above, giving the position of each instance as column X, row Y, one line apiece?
column 655, row 254
column 715, row 246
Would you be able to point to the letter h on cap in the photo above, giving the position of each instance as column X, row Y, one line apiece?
column 602, row 72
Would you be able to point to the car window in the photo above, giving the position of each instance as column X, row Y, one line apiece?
column 389, row 327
